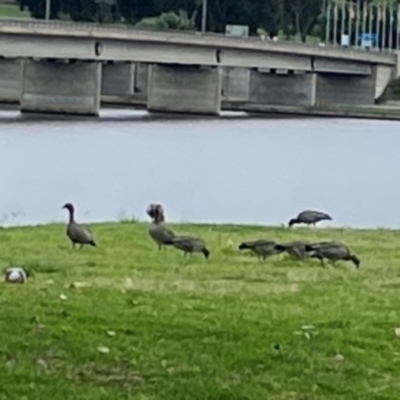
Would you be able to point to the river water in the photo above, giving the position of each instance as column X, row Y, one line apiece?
column 233, row 169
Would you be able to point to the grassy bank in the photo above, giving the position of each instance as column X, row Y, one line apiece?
column 143, row 324
column 12, row 11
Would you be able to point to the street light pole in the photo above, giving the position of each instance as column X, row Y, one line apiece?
column 328, row 22
column 47, row 14
column 204, row 17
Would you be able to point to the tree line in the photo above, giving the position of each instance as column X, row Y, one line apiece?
column 285, row 17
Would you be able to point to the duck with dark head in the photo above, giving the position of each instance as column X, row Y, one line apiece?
column 157, row 231
column 189, row 245
column 262, row 248
column 333, row 251
column 309, row 217
column 77, row 233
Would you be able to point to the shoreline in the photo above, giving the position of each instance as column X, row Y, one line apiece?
column 373, row 114
column 389, row 112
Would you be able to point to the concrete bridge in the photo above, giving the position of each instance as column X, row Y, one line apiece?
column 66, row 67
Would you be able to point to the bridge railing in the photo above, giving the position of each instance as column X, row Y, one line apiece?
column 109, row 27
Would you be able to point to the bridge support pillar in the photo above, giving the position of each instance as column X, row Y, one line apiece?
column 141, row 78
column 10, row 80
column 118, row 79
column 341, row 89
column 65, row 88
column 282, row 89
column 184, row 89
column 383, row 76
column 235, row 83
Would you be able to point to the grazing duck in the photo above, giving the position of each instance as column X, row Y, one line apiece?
column 158, row 232
column 333, row 251
column 77, row 233
column 295, row 249
column 189, row 244
column 310, row 218
column 263, row 248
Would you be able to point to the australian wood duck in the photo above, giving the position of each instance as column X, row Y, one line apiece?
column 309, row 217
column 333, row 251
column 77, row 233
column 189, row 245
column 263, row 248
column 157, row 231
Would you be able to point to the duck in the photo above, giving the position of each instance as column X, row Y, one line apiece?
column 78, row 233
column 296, row 249
column 263, row 248
column 310, row 217
column 189, row 245
column 333, row 251
column 157, row 231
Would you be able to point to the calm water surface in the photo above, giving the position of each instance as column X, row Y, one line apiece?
column 240, row 170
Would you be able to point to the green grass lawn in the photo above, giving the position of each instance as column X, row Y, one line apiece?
column 12, row 11
column 143, row 324
column 377, row 109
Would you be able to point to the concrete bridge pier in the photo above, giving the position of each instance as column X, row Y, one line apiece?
column 10, row 80
column 282, row 88
column 383, row 76
column 118, row 79
column 344, row 83
column 184, row 89
column 141, row 78
column 340, row 89
column 61, row 87
column 315, row 89
column 235, row 84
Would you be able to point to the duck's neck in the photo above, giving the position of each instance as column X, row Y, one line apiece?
column 71, row 216
column 158, row 219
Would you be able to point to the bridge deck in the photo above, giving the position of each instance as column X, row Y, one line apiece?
column 33, row 32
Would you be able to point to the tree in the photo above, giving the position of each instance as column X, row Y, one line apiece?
column 304, row 15
column 135, row 10
column 79, row 10
column 37, row 8
column 289, row 16
column 170, row 20
column 271, row 16
column 224, row 12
